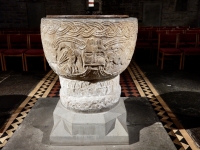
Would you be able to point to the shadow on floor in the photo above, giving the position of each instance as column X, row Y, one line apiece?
column 139, row 115
column 185, row 105
column 8, row 104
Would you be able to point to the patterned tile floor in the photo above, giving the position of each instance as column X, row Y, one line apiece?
column 133, row 83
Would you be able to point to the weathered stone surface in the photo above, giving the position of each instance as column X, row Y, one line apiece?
column 71, row 128
column 88, row 96
column 89, row 48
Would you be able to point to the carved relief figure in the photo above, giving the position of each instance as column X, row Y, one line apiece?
column 69, row 58
column 94, row 54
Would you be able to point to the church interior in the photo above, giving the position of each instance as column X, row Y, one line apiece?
column 163, row 70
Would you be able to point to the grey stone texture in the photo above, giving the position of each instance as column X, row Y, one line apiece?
column 34, row 132
column 72, row 128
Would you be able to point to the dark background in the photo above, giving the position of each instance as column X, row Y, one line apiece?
column 27, row 13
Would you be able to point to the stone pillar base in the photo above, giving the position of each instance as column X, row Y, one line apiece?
column 72, row 128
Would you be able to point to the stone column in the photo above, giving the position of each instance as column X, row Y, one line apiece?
column 88, row 53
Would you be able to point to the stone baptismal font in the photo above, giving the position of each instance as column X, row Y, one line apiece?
column 89, row 53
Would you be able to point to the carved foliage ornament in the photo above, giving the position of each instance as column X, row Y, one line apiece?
column 89, row 49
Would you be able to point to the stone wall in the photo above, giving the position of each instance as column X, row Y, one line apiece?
column 171, row 17
column 65, row 7
column 14, row 13
column 168, row 14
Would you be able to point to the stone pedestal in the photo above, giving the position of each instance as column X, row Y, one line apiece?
column 72, row 128
column 89, row 53
column 145, row 130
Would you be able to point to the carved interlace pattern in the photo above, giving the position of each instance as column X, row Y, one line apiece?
column 89, row 49
column 90, row 28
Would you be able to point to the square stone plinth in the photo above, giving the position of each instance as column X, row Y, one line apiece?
column 145, row 130
column 72, row 128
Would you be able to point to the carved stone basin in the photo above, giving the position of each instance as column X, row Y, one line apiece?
column 88, row 52
column 92, row 48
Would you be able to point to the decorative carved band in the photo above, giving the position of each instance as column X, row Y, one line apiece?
column 84, row 96
column 90, row 28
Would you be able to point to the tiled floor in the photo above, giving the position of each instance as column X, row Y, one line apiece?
column 180, row 90
column 134, row 83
